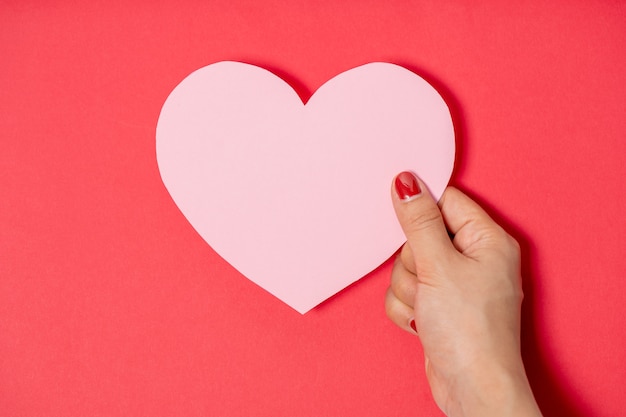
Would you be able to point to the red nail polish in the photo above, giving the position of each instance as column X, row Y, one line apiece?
column 413, row 326
column 407, row 186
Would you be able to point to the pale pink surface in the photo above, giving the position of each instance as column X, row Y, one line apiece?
column 296, row 197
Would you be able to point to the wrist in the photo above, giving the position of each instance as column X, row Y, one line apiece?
column 493, row 391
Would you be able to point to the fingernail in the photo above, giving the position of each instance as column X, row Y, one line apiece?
column 407, row 186
column 412, row 325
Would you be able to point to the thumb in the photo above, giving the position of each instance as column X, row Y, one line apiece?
column 421, row 222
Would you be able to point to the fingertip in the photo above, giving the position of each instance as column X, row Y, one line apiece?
column 408, row 193
column 407, row 186
column 420, row 219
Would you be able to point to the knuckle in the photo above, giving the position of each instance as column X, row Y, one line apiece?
column 404, row 290
column 506, row 243
column 406, row 258
column 511, row 246
column 425, row 219
column 401, row 282
column 395, row 310
column 389, row 303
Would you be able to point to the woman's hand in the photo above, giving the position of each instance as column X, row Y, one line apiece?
column 456, row 283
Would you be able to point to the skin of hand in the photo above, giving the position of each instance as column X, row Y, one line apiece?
column 456, row 283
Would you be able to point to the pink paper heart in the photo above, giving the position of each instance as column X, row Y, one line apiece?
column 294, row 196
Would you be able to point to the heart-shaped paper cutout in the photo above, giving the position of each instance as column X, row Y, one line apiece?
column 294, row 196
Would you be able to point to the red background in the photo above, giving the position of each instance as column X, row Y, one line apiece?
column 112, row 305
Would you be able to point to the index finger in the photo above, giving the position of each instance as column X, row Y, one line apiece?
column 467, row 220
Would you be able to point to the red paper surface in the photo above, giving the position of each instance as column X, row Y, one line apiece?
column 111, row 304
